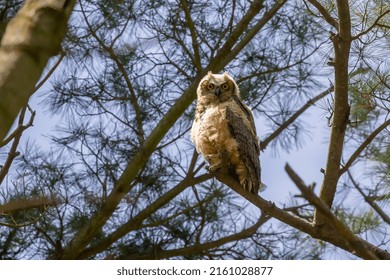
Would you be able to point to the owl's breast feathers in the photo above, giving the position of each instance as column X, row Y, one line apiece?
column 228, row 128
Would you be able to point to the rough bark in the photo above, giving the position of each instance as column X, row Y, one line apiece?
column 31, row 38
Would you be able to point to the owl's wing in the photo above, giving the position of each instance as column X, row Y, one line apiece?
column 248, row 144
column 249, row 116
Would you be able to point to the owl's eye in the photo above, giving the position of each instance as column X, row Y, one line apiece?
column 210, row 86
column 225, row 86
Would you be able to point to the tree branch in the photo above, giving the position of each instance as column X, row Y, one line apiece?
column 199, row 248
column 341, row 44
column 136, row 222
column 351, row 239
column 30, row 39
column 370, row 201
column 279, row 130
column 25, row 204
column 376, row 23
column 228, row 52
column 364, row 145
column 324, row 13
column 195, row 45
column 51, row 71
column 133, row 97
column 16, row 135
column 270, row 209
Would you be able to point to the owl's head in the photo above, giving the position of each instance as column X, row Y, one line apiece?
column 217, row 88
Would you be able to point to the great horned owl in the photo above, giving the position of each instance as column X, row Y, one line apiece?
column 224, row 131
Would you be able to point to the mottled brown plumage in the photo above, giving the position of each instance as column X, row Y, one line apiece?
column 224, row 130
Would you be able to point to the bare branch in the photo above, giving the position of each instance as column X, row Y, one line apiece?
column 51, row 71
column 341, row 44
column 353, row 241
column 195, row 45
column 15, row 135
column 25, row 204
column 31, row 38
column 333, row 22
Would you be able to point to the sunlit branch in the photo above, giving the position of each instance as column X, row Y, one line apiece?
column 30, row 39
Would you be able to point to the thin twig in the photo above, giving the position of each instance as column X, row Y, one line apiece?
column 264, row 143
column 364, row 145
column 16, row 135
column 369, row 200
column 371, row 27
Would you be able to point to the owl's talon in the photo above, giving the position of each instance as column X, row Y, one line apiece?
column 212, row 168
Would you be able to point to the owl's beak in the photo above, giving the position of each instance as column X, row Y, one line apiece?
column 217, row 91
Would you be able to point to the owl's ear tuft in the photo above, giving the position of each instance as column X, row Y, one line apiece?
column 227, row 77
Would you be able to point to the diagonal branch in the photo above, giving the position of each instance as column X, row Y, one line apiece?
column 376, row 23
column 324, row 13
column 324, row 233
column 351, row 239
column 362, row 146
column 195, row 45
column 132, row 96
column 199, row 248
column 370, row 200
column 51, row 71
column 279, row 130
column 229, row 51
column 16, row 135
column 136, row 222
